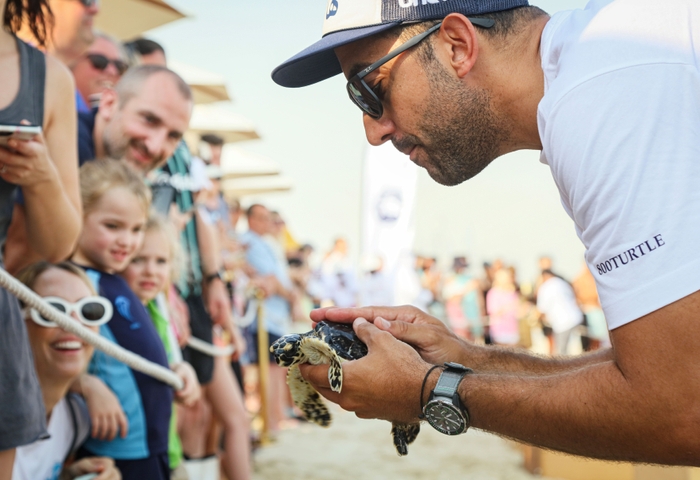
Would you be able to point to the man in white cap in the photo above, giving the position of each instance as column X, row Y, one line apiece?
column 611, row 95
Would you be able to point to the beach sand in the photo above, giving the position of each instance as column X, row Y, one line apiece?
column 353, row 448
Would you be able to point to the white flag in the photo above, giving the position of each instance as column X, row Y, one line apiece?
column 388, row 226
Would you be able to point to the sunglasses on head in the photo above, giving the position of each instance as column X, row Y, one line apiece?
column 365, row 97
column 100, row 62
column 91, row 311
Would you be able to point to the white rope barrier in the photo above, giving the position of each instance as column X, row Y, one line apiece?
column 69, row 324
column 209, row 349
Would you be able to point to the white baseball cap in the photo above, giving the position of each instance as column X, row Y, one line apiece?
column 350, row 20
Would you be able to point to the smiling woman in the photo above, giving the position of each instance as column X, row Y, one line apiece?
column 60, row 358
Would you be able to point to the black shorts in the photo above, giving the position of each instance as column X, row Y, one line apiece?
column 201, row 327
column 251, row 337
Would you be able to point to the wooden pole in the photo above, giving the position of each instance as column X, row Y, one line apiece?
column 263, row 369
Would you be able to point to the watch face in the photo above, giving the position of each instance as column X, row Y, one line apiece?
column 445, row 417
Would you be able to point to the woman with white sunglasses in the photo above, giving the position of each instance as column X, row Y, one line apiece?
column 60, row 358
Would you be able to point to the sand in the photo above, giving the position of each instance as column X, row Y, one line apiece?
column 362, row 449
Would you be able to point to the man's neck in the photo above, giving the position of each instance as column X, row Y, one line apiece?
column 521, row 88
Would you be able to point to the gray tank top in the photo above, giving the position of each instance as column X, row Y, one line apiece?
column 27, row 105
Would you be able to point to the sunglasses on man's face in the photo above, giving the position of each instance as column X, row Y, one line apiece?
column 100, row 62
column 90, row 3
column 91, row 311
column 365, row 97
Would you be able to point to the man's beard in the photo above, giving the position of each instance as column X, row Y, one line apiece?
column 117, row 148
column 461, row 133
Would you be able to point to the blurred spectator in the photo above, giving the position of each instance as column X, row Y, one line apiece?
column 557, row 303
column 141, row 120
column 60, row 358
column 99, row 68
column 271, row 277
column 146, row 52
column 72, row 31
column 587, row 298
column 211, row 147
column 376, row 288
column 339, row 279
column 463, row 301
column 34, row 89
column 502, row 306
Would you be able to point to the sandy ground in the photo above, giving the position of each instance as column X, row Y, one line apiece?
column 362, row 449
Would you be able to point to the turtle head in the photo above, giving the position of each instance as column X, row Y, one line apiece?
column 286, row 350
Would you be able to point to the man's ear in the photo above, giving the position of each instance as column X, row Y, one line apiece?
column 460, row 41
column 109, row 103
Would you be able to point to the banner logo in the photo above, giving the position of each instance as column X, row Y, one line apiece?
column 389, row 205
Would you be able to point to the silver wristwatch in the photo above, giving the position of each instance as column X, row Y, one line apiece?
column 444, row 410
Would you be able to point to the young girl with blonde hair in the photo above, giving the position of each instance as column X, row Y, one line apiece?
column 116, row 203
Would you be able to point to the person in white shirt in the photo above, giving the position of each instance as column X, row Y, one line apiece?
column 60, row 358
column 611, row 96
column 557, row 302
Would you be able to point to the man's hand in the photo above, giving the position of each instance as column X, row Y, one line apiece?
column 106, row 414
column 430, row 337
column 384, row 384
column 191, row 390
column 104, row 468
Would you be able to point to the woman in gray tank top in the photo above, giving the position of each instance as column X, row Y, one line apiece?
column 34, row 90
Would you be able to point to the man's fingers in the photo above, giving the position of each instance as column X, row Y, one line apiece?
column 411, row 333
column 365, row 331
column 316, row 375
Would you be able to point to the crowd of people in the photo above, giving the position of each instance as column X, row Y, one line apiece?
column 110, row 218
column 490, row 305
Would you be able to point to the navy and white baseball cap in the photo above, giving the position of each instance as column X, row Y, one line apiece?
column 351, row 20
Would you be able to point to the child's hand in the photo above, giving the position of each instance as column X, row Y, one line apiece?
column 103, row 467
column 191, row 391
column 106, row 412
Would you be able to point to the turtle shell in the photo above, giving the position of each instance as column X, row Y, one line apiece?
column 341, row 338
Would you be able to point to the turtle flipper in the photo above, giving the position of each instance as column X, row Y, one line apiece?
column 318, row 352
column 403, row 435
column 307, row 399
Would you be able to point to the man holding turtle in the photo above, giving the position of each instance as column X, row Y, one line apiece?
column 611, row 96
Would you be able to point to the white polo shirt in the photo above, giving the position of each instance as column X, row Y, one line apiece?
column 620, row 128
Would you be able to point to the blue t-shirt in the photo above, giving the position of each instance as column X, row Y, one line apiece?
column 86, row 142
column 146, row 401
column 263, row 259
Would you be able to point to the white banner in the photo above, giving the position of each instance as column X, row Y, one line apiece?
column 388, row 227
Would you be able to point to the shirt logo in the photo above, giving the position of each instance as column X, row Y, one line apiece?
column 630, row 255
column 332, row 9
column 123, row 305
column 414, row 3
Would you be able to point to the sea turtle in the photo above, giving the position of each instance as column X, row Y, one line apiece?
column 328, row 343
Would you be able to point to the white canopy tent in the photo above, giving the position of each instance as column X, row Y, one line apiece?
column 126, row 19
column 207, row 87
column 237, row 163
column 242, row 187
column 215, row 118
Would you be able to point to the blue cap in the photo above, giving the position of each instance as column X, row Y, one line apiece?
column 350, row 20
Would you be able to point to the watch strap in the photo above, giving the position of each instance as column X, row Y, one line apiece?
column 449, row 380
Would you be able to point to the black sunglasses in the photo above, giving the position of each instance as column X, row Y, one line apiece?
column 366, row 98
column 100, row 62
